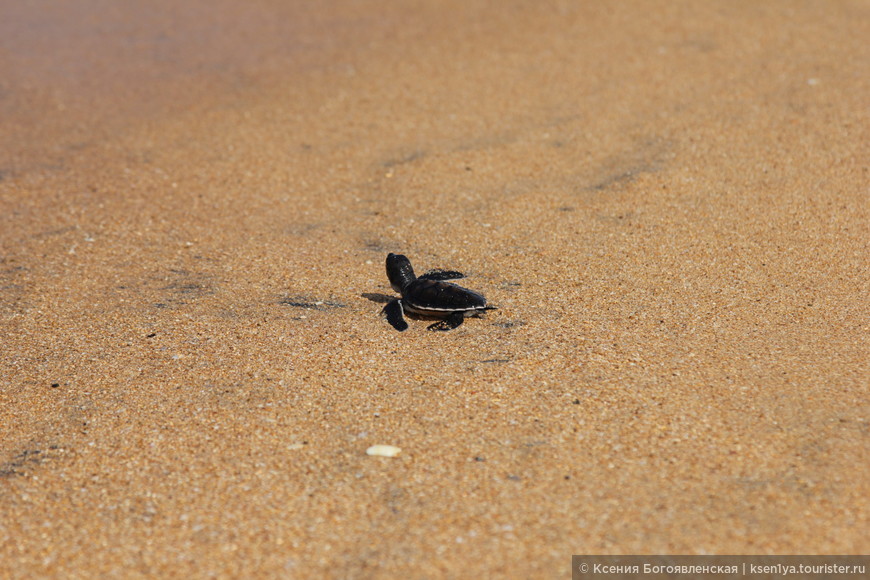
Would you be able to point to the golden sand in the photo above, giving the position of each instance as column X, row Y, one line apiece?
column 668, row 201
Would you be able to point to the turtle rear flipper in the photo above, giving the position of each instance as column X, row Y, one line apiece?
column 449, row 323
column 393, row 312
column 442, row 275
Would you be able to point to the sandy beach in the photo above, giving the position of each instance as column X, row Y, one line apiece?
column 667, row 202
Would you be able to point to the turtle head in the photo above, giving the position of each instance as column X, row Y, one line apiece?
column 399, row 271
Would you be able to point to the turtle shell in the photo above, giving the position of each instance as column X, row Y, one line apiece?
column 437, row 298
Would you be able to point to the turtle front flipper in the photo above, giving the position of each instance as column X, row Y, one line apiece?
column 395, row 316
column 442, row 275
column 448, row 323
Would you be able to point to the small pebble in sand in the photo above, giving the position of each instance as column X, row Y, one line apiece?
column 383, row 451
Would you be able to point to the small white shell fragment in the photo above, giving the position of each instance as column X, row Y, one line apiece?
column 383, row 450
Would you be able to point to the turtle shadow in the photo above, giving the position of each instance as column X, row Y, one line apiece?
column 393, row 311
column 377, row 297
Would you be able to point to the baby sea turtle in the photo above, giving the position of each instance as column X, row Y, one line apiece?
column 429, row 296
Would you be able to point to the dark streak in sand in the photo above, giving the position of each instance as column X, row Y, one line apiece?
column 309, row 303
column 626, row 166
column 410, row 158
column 510, row 323
column 18, row 464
